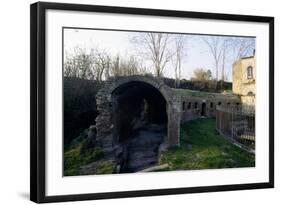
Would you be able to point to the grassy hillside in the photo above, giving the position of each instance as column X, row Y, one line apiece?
column 203, row 148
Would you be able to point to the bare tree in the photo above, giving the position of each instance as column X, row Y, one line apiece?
column 79, row 64
column 69, row 70
column 124, row 67
column 223, row 49
column 179, row 41
column 214, row 44
column 129, row 66
column 93, row 65
column 226, row 44
column 101, row 64
column 242, row 47
column 234, row 49
column 142, row 69
column 115, row 66
column 154, row 46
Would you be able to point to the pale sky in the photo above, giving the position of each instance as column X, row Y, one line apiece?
column 118, row 42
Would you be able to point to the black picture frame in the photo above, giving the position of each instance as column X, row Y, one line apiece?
column 38, row 103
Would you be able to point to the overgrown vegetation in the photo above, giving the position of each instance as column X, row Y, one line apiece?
column 203, row 148
column 79, row 106
column 105, row 167
column 206, row 86
column 79, row 155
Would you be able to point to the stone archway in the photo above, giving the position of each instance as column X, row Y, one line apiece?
column 136, row 105
column 106, row 105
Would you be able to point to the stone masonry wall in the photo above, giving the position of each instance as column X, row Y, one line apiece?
column 180, row 107
column 104, row 121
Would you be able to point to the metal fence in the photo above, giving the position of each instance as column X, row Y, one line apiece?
column 237, row 123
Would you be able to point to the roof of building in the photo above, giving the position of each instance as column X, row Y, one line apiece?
column 247, row 57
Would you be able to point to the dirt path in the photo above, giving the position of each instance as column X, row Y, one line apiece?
column 142, row 148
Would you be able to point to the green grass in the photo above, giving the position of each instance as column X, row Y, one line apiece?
column 193, row 93
column 203, row 148
column 105, row 167
column 78, row 155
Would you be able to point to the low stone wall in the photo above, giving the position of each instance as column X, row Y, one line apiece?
column 205, row 106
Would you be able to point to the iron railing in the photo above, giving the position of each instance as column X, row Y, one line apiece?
column 237, row 124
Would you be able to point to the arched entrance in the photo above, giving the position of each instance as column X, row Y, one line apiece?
column 131, row 106
column 136, row 104
column 140, row 124
column 203, row 109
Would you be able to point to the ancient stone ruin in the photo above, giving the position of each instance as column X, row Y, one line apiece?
column 140, row 115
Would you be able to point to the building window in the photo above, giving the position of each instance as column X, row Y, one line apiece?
column 183, row 106
column 250, row 93
column 219, row 103
column 189, row 105
column 211, row 105
column 228, row 104
column 195, row 105
column 250, row 72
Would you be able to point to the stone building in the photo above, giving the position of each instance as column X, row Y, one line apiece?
column 145, row 105
column 197, row 104
column 244, row 79
column 121, row 104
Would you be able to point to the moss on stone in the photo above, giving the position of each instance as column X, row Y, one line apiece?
column 105, row 167
column 187, row 92
column 77, row 156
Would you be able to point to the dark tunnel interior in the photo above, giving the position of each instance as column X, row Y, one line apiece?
column 135, row 105
column 140, row 124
